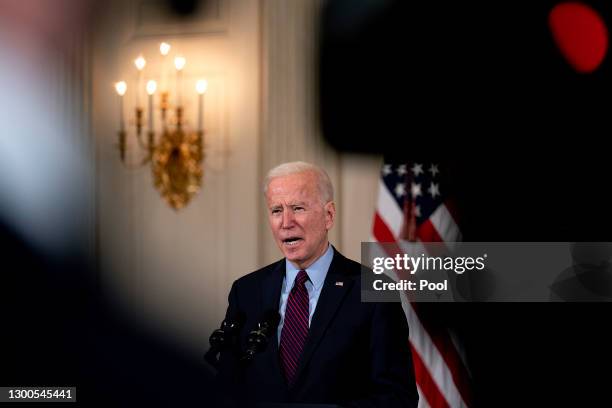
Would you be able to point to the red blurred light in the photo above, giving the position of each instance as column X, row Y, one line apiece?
column 580, row 33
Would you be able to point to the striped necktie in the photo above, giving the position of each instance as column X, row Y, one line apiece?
column 295, row 327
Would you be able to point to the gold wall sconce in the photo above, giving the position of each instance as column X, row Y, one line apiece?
column 174, row 152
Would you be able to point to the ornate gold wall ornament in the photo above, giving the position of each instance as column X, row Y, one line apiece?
column 177, row 156
column 177, row 167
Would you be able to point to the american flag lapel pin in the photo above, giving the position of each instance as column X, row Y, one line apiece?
column 339, row 283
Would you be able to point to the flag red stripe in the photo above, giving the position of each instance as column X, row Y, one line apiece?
column 428, row 233
column 382, row 233
column 440, row 338
column 428, row 386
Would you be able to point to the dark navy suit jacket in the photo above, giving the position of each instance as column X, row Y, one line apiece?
column 356, row 354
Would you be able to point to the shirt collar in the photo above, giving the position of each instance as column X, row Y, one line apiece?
column 316, row 272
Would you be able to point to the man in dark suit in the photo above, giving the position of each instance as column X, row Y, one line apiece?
column 329, row 347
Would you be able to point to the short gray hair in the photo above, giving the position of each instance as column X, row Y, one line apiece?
column 326, row 189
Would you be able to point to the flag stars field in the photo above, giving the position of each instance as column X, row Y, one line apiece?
column 434, row 190
column 400, row 190
column 433, row 169
column 415, row 190
column 401, row 170
column 386, row 170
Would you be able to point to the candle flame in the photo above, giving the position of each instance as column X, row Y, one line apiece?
column 140, row 63
column 121, row 87
column 164, row 48
column 201, row 86
column 179, row 63
column 151, row 87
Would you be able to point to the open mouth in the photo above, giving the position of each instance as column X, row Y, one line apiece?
column 292, row 241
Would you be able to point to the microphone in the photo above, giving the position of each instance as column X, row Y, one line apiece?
column 224, row 338
column 258, row 337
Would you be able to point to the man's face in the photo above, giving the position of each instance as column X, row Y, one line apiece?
column 298, row 219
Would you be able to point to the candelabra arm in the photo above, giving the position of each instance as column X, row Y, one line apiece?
column 138, row 121
column 179, row 117
column 149, row 144
column 122, row 146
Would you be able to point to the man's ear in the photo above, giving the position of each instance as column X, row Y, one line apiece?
column 330, row 214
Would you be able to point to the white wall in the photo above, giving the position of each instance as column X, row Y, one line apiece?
column 174, row 269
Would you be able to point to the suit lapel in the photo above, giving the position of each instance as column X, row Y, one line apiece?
column 337, row 284
column 270, row 292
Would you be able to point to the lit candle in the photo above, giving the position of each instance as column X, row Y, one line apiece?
column 151, row 88
column 121, row 88
column 140, row 63
column 179, row 64
column 201, row 87
column 164, row 49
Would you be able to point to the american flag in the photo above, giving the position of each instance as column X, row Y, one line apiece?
column 412, row 208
